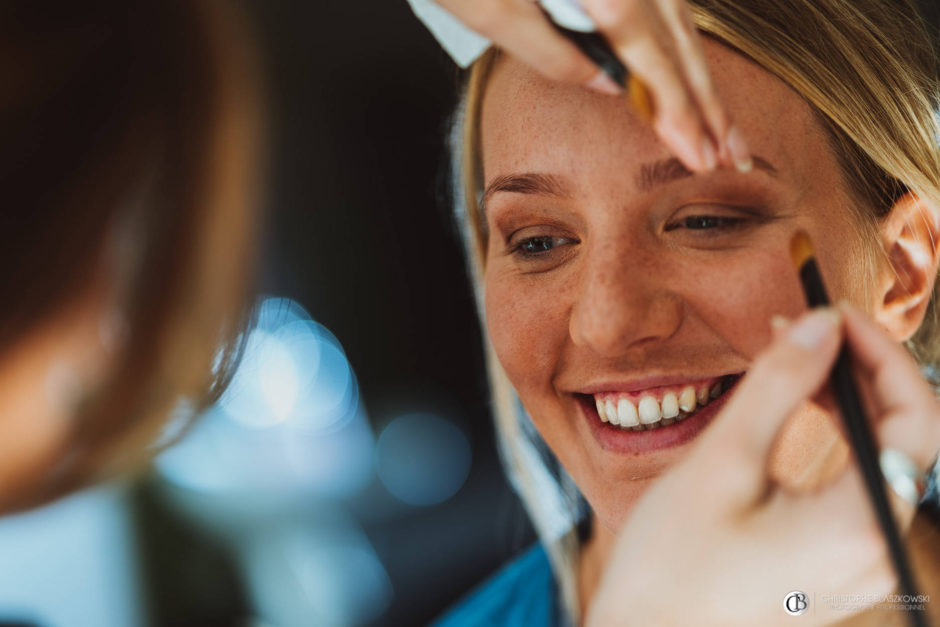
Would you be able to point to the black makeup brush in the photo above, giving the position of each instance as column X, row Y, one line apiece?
column 857, row 424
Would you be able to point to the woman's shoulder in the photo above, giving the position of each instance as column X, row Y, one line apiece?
column 522, row 592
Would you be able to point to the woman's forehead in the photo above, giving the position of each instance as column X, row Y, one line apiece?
column 532, row 124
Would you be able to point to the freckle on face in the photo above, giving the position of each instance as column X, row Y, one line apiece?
column 630, row 299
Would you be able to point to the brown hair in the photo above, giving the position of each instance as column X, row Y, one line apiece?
column 869, row 71
column 139, row 117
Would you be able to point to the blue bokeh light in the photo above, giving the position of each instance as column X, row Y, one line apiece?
column 293, row 371
column 290, row 422
column 422, row 459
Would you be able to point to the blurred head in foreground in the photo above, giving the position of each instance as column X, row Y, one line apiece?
column 623, row 293
column 128, row 161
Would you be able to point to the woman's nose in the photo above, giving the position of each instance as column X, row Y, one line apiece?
column 625, row 303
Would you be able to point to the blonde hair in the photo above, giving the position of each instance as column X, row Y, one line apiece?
column 868, row 70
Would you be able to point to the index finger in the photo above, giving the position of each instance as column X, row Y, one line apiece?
column 896, row 386
column 892, row 370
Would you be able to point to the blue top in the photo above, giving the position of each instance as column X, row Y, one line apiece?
column 523, row 592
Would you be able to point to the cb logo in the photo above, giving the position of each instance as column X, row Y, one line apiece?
column 795, row 603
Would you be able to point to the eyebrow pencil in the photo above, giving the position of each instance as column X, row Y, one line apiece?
column 596, row 48
column 856, row 423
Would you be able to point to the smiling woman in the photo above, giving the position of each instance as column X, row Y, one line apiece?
column 624, row 297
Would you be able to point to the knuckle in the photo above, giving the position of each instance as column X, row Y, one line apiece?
column 486, row 17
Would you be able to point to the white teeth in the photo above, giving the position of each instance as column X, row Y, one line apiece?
column 650, row 413
column 649, row 410
column 716, row 390
column 627, row 414
column 670, row 405
column 611, row 410
column 687, row 398
column 702, row 395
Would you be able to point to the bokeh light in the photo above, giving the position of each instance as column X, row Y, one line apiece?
column 293, row 370
column 422, row 459
column 290, row 422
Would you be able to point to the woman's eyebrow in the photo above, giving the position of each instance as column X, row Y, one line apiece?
column 527, row 183
column 650, row 176
column 668, row 170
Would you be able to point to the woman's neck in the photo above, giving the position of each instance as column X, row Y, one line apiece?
column 594, row 555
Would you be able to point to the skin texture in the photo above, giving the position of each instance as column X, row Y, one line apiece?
column 620, row 287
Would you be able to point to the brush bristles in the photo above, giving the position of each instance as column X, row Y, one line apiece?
column 801, row 249
column 640, row 97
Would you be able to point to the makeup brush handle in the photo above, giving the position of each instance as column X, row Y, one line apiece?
column 866, row 451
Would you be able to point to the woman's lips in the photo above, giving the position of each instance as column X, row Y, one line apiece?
column 624, row 440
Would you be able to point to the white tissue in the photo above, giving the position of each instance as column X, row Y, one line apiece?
column 461, row 43
column 570, row 14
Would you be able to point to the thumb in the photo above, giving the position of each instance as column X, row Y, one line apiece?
column 792, row 369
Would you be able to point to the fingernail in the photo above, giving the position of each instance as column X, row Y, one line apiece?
column 778, row 322
column 604, row 84
column 814, row 328
column 709, row 158
column 740, row 153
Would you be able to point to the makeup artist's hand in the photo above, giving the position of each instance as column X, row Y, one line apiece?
column 657, row 41
column 717, row 542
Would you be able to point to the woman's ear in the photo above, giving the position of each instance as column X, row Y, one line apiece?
column 910, row 234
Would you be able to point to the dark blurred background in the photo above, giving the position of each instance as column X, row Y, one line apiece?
column 399, row 505
column 361, row 236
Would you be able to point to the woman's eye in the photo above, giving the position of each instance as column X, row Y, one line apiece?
column 706, row 223
column 540, row 245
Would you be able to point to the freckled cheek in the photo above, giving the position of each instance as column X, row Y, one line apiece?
column 751, row 291
column 526, row 330
column 738, row 299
